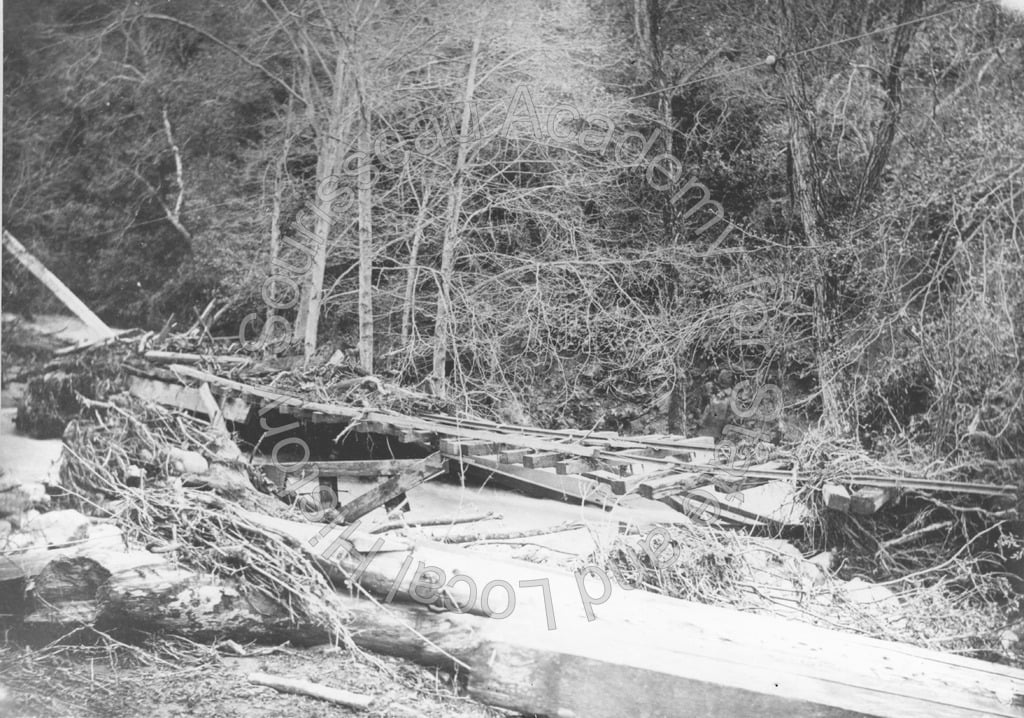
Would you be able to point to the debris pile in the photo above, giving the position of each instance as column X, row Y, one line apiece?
column 176, row 514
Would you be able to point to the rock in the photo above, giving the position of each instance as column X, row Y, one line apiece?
column 859, row 591
column 19, row 519
column 186, row 462
column 58, row 528
column 226, row 479
column 824, row 560
column 103, row 536
column 14, row 502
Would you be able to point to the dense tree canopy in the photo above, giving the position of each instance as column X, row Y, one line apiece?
column 515, row 210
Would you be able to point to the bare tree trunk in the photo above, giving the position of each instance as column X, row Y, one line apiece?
column 454, row 211
column 280, row 170
column 332, row 144
column 409, row 309
column 886, row 132
column 807, row 196
column 365, row 244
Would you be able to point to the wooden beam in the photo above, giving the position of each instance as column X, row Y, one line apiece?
column 869, row 500
column 415, row 436
column 573, row 466
column 53, row 283
column 373, row 468
column 185, row 398
column 458, row 447
column 541, row 459
column 608, row 478
column 370, row 426
column 426, row 469
column 512, row 456
column 626, row 484
column 836, row 497
column 659, row 487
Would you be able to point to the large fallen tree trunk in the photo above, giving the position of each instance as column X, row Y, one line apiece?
column 614, row 652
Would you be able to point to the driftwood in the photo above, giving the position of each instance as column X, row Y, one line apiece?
column 72, row 302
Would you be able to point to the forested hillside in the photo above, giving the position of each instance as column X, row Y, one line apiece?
column 573, row 213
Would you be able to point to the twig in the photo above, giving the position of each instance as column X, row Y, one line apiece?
column 305, row 688
column 402, row 524
column 502, row 535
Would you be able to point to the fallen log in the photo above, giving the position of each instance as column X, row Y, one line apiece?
column 125, row 593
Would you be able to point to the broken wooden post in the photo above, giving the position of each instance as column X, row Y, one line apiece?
column 60, row 290
column 425, row 470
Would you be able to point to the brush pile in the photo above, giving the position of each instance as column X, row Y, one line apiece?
column 131, row 462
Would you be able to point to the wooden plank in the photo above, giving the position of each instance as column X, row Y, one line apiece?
column 53, row 283
column 184, row 398
column 512, row 456
column 565, row 487
column 541, row 459
column 429, row 468
column 869, row 500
